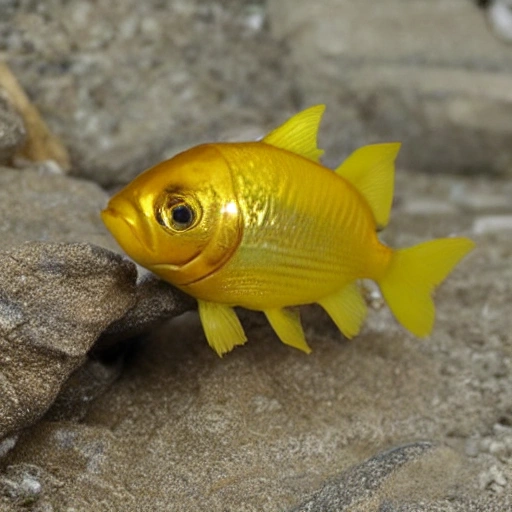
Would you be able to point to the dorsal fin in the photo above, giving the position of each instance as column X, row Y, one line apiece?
column 371, row 169
column 299, row 133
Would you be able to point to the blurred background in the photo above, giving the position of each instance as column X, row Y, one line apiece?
column 128, row 83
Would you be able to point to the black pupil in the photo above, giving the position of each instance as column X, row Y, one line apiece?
column 182, row 215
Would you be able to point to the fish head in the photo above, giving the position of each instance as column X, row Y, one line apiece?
column 179, row 219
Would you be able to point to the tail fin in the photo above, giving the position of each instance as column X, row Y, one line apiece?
column 413, row 274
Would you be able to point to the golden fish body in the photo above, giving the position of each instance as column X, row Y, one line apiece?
column 304, row 232
column 263, row 225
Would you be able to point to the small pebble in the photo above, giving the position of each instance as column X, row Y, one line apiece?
column 500, row 18
column 493, row 478
column 7, row 444
column 492, row 224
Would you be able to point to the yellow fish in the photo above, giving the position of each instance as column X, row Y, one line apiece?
column 265, row 226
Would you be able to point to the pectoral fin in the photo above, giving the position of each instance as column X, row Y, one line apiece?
column 221, row 326
column 347, row 308
column 286, row 324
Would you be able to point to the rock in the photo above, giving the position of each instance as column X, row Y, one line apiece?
column 492, row 223
column 21, row 485
column 39, row 205
column 12, row 132
column 406, row 72
column 167, row 89
column 7, row 444
column 494, row 479
column 374, row 484
column 84, row 385
column 157, row 302
column 387, row 483
column 357, row 487
column 55, row 300
column 500, row 18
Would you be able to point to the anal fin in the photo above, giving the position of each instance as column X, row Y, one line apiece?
column 221, row 326
column 286, row 324
column 347, row 309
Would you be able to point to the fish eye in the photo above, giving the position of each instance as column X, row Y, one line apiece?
column 182, row 216
column 177, row 215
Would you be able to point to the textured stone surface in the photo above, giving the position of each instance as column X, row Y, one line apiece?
column 84, row 385
column 39, row 205
column 389, row 482
column 55, row 300
column 404, row 71
column 371, row 485
column 12, row 132
column 157, row 301
column 124, row 84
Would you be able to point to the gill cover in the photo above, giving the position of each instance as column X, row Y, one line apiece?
column 183, row 222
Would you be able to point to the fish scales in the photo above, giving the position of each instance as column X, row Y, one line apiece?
column 295, row 243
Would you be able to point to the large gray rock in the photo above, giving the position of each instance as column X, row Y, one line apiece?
column 55, row 300
column 427, row 73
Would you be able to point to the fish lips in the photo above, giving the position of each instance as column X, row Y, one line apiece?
column 132, row 231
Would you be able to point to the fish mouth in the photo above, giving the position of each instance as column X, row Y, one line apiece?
column 130, row 228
